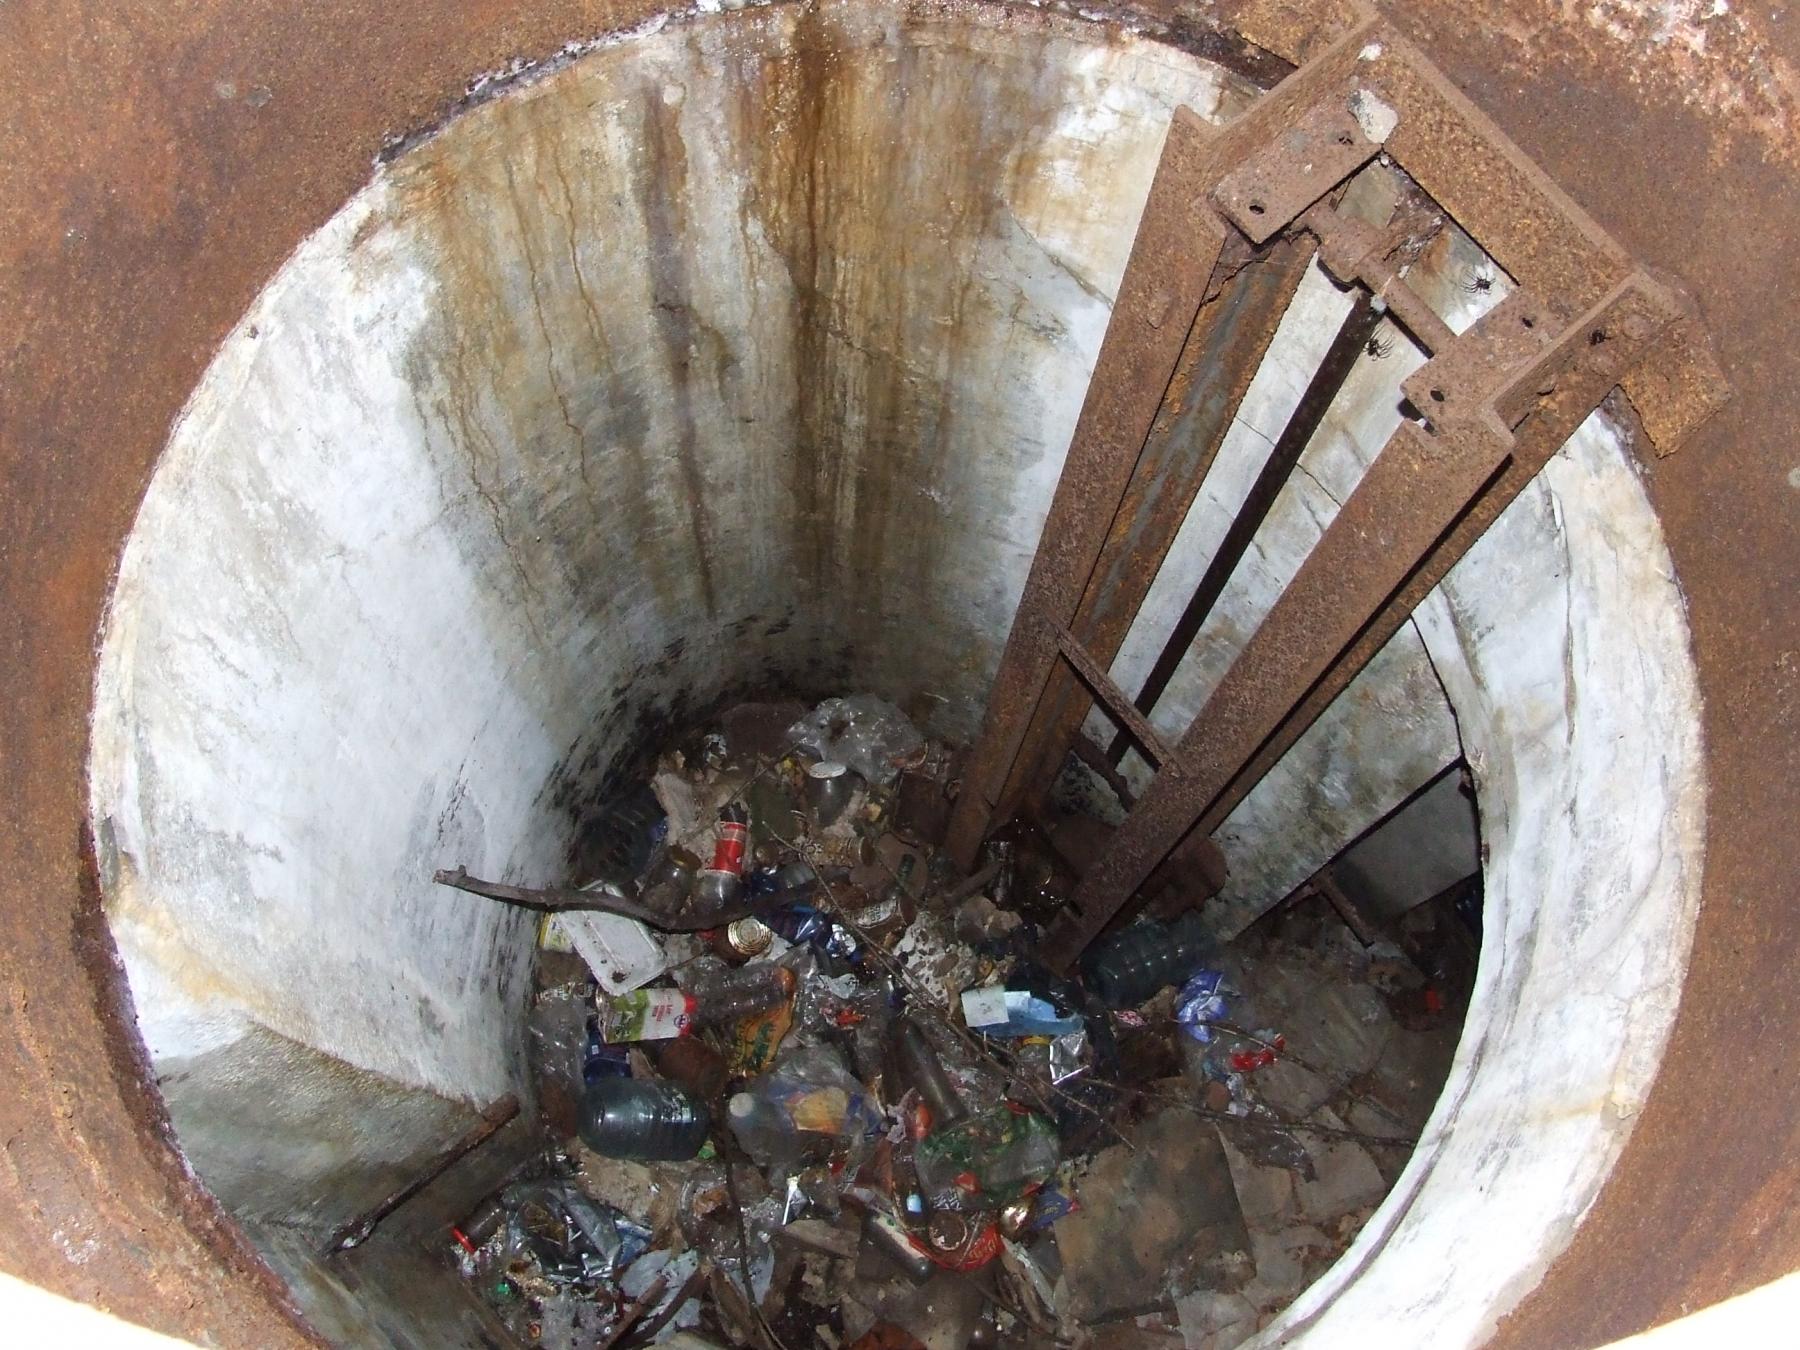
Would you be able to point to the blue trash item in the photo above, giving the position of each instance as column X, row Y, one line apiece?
column 799, row 923
column 1026, row 1015
column 1201, row 1000
column 601, row 1060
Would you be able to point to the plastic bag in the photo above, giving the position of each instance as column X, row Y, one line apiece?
column 1200, row 1002
column 988, row 1160
column 868, row 734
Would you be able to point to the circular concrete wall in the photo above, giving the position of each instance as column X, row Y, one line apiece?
column 743, row 354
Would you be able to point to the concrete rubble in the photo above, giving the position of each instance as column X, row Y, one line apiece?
column 839, row 1103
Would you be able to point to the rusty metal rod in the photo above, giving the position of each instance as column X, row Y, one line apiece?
column 1250, row 293
column 493, row 1118
column 629, row 1318
column 1352, row 337
column 1113, row 699
column 557, row 899
column 1165, row 280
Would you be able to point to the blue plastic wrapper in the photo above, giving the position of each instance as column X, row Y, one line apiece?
column 1052, row 1204
column 799, row 923
column 1027, row 1015
column 1201, row 1000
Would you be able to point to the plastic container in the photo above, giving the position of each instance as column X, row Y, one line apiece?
column 642, row 1121
column 1146, row 957
column 745, row 993
column 809, row 1106
column 986, row 1161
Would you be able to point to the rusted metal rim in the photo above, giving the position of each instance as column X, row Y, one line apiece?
column 145, row 209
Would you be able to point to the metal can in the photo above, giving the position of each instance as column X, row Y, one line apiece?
column 733, row 843
column 743, row 939
column 890, row 1235
column 1015, row 1217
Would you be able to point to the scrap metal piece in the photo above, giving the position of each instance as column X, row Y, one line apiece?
column 357, row 1230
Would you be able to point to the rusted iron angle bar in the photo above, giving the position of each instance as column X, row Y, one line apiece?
column 491, row 1121
column 1165, row 278
column 1535, row 442
column 1230, row 337
column 1408, row 496
column 1170, row 265
column 1340, row 358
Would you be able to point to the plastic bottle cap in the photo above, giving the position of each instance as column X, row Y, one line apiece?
column 827, row 768
column 742, row 1105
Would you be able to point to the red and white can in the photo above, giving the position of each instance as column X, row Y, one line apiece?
column 734, row 843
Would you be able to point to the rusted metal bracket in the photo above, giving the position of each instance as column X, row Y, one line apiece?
column 1492, row 405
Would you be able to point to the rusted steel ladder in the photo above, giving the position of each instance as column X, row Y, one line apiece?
column 1495, row 403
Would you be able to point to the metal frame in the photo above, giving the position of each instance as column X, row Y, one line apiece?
column 1494, row 404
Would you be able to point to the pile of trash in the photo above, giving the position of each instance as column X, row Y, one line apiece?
column 855, row 1111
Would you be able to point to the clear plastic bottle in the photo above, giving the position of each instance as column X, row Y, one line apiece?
column 1130, row 966
column 764, row 1131
column 808, row 1107
column 642, row 1121
column 743, row 994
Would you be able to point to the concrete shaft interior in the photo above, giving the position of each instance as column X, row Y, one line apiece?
column 739, row 351
column 686, row 369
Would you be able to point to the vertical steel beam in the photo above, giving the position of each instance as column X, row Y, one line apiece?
column 1180, row 238
column 1493, row 402
column 1352, row 337
column 1230, row 337
column 1170, row 264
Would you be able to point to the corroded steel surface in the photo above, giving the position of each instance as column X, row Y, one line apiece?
column 1129, row 381
column 142, row 207
column 1171, row 262
column 1230, row 337
column 1417, row 487
column 1263, row 172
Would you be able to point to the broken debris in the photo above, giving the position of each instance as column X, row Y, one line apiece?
column 816, row 1091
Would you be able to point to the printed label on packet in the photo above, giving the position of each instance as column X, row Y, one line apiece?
column 648, row 1015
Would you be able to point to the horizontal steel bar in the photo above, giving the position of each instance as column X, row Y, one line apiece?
column 1116, row 701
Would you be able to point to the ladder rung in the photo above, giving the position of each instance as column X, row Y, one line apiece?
column 1117, row 702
